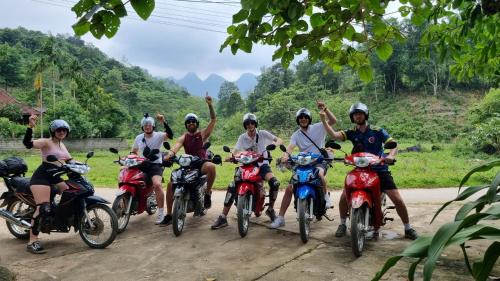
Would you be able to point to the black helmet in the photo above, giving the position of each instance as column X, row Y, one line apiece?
column 250, row 117
column 191, row 117
column 58, row 124
column 147, row 120
column 358, row 107
column 303, row 112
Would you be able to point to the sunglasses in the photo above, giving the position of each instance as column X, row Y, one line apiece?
column 191, row 122
column 61, row 130
column 303, row 116
column 246, row 123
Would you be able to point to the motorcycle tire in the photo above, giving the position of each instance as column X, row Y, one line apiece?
column 179, row 215
column 358, row 230
column 104, row 226
column 20, row 210
column 151, row 204
column 120, row 206
column 304, row 222
column 243, row 211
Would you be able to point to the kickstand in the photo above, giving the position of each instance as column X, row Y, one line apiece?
column 326, row 216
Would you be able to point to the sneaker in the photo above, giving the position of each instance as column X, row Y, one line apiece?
column 271, row 214
column 208, row 201
column 167, row 220
column 278, row 222
column 159, row 218
column 411, row 234
column 328, row 200
column 219, row 223
column 341, row 230
column 35, row 248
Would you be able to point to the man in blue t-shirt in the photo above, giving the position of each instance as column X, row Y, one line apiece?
column 366, row 138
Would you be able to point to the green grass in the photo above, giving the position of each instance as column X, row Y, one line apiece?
column 413, row 170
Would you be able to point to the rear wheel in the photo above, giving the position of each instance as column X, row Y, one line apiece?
column 102, row 228
column 21, row 211
column 304, row 222
column 358, row 230
column 243, row 211
column 179, row 215
column 120, row 206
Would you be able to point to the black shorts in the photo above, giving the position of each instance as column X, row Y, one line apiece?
column 44, row 175
column 151, row 170
column 264, row 170
column 386, row 181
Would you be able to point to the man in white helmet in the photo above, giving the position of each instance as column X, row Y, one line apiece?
column 257, row 141
column 153, row 140
column 308, row 138
column 193, row 141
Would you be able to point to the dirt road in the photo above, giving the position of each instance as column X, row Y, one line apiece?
column 148, row 252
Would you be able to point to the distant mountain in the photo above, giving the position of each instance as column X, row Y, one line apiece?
column 197, row 87
column 246, row 83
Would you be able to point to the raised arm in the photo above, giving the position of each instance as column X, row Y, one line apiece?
column 208, row 130
column 169, row 134
column 334, row 135
column 332, row 120
column 28, row 136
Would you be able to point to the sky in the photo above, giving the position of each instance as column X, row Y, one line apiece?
column 180, row 37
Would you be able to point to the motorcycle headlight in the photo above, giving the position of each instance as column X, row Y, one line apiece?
column 80, row 169
column 129, row 162
column 362, row 161
column 176, row 175
column 245, row 159
column 304, row 160
column 185, row 161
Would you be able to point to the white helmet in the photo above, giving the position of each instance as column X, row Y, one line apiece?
column 147, row 120
column 250, row 117
column 303, row 112
column 191, row 117
column 58, row 124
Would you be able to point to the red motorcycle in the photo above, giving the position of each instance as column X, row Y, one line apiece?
column 367, row 204
column 135, row 194
column 249, row 186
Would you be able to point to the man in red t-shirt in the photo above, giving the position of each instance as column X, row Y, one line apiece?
column 193, row 141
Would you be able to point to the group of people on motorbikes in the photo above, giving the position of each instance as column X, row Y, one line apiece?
column 309, row 137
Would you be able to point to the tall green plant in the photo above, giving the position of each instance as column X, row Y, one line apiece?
column 467, row 226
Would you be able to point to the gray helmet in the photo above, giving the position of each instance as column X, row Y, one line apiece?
column 358, row 107
column 250, row 117
column 147, row 120
column 303, row 112
column 191, row 117
column 58, row 124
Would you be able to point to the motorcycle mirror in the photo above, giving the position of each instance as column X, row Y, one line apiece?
column 206, row 145
column 226, row 149
column 332, row 144
column 146, row 151
column 217, row 159
column 166, row 145
column 391, row 145
column 90, row 154
column 271, row 147
column 282, row 148
column 113, row 150
column 52, row 158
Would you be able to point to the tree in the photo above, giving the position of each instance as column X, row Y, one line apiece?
column 333, row 31
column 224, row 106
column 10, row 66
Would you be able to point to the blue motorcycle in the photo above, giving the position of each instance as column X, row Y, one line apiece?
column 309, row 199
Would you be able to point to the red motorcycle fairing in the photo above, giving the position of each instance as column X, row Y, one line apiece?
column 125, row 188
column 250, row 173
column 362, row 186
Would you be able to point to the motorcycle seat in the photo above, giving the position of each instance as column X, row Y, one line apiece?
column 21, row 184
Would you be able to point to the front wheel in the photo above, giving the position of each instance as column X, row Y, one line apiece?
column 100, row 227
column 21, row 211
column 179, row 215
column 304, row 222
column 243, row 210
column 120, row 207
column 358, row 230
column 151, row 205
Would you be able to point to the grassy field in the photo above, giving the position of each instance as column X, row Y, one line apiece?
column 413, row 170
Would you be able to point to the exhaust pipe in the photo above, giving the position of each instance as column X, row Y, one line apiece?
column 10, row 217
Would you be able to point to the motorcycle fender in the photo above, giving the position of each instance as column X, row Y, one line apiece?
column 358, row 198
column 126, row 188
column 245, row 187
column 305, row 191
column 95, row 199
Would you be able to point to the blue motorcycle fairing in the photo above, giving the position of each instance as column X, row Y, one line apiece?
column 305, row 191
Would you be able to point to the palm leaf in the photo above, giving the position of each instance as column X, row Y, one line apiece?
column 482, row 168
column 482, row 269
column 460, row 197
column 388, row 264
